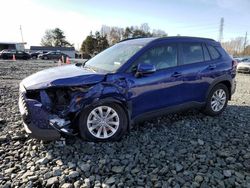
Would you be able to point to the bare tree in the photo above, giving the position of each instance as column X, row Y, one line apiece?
column 159, row 33
column 145, row 28
column 234, row 46
column 115, row 34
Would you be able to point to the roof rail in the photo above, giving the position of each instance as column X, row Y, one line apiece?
column 134, row 38
column 188, row 37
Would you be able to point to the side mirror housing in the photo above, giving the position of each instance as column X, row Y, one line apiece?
column 144, row 69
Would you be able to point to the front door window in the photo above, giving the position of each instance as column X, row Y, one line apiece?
column 161, row 57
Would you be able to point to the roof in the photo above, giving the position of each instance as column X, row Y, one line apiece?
column 52, row 48
column 184, row 38
column 143, row 40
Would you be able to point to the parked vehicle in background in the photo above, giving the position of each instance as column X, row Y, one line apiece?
column 244, row 66
column 245, row 59
column 238, row 59
column 129, row 82
column 52, row 55
column 8, row 54
column 35, row 55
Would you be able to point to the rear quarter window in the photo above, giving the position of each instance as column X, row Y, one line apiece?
column 206, row 53
column 223, row 52
column 214, row 53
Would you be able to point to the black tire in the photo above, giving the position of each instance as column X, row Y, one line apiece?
column 87, row 135
column 45, row 58
column 208, row 110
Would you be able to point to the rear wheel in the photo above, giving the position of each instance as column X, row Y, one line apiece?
column 217, row 100
column 106, row 122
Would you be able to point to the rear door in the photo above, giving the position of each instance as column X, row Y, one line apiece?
column 195, row 65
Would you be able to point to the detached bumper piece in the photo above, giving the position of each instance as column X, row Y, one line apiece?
column 61, row 125
column 38, row 122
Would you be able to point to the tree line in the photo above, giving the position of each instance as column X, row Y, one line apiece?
column 108, row 36
column 237, row 47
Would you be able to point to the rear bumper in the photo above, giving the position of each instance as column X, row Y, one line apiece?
column 36, row 119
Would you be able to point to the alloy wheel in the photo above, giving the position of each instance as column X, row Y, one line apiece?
column 103, row 122
column 218, row 100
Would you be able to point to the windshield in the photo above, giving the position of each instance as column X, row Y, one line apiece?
column 114, row 57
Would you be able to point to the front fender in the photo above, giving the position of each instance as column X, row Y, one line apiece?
column 104, row 93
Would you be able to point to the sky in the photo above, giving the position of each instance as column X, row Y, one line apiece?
column 77, row 18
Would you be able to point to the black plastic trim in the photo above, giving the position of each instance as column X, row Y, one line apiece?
column 167, row 110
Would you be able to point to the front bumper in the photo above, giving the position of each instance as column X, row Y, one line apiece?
column 36, row 119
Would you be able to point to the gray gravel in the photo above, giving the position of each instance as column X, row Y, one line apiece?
column 180, row 150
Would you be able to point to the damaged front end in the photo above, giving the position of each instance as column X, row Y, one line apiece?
column 48, row 113
column 52, row 100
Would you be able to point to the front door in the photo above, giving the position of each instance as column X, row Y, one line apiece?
column 160, row 89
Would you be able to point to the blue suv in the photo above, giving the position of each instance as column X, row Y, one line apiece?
column 131, row 81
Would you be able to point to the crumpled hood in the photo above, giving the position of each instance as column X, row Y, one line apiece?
column 66, row 75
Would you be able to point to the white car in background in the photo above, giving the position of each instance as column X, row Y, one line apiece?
column 244, row 65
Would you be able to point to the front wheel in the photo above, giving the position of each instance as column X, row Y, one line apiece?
column 106, row 122
column 217, row 100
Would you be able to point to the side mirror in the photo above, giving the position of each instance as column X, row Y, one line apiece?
column 144, row 69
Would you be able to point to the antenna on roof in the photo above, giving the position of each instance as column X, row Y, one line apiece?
column 21, row 31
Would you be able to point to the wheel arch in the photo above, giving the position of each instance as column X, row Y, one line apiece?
column 227, row 83
column 120, row 101
column 223, row 80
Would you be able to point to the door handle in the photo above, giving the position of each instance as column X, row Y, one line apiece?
column 176, row 74
column 212, row 67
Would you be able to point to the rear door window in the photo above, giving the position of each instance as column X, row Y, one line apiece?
column 192, row 53
column 213, row 52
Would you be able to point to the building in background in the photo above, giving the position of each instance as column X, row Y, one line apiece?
column 70, row 51
column 12, row 46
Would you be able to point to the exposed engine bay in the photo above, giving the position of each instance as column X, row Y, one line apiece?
column 60, row 104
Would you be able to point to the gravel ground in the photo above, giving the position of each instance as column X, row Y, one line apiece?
column 180, row 150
